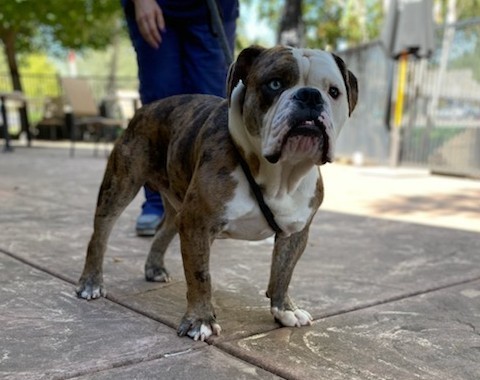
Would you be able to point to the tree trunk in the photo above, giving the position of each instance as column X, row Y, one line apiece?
column 292, row 29
column 9, row 46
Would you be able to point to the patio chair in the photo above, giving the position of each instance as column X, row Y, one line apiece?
column 81, row 110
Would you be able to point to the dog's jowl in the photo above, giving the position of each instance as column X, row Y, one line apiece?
column 247, row 167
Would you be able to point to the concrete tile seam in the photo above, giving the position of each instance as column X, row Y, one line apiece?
column 124, row 364
column 252, row 360
column 401, row 297
column 220, row 346
column 321, row 317
column 112, row 299
column 163, row 321
column 41, row 268
column 109, row 297
column 223, row 345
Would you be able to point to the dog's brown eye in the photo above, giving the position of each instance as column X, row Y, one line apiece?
column 334, row 92
column 275, row 85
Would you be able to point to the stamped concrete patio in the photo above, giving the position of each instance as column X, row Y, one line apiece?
column 391, row 276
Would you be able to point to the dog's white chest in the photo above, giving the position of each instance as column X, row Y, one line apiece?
column 244, row 218
column 245, row 221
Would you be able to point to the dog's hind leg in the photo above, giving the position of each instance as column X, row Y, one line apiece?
column 286, row 252
column 119, row 187
column 154, row 266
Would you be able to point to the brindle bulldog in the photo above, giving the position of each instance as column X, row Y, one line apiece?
column 244, row 168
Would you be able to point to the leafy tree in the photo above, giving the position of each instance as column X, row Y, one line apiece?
column 342, row 22
column 32, row 25
column 464, row 51
column 464, row 9
column 98, row 62
column 328, row 22
column 39, row 74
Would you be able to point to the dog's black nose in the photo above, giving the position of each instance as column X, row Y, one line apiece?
column 309, row 96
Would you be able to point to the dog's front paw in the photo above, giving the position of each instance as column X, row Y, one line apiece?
column 90, row 289
column 198, row 328
column 292, row 318
column 157, row 275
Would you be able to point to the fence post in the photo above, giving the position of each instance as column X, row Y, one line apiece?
column 3, row 106
column 395, row 132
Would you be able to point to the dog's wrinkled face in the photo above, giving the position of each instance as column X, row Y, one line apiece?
column 293, row 102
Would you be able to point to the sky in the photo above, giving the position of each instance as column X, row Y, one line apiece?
column 254, row 29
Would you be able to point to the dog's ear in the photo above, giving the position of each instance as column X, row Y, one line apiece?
column 350, row 83
column 241, row 67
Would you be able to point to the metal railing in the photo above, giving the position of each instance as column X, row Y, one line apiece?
column 365, row 134
column 441, row 118
column 39, row 90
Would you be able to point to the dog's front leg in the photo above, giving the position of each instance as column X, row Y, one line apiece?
column 286, row 252
column 199, row 322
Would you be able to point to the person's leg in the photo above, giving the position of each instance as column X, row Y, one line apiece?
column 159, row 70
column 204, row 67
column 151, row 215
column 159, row 76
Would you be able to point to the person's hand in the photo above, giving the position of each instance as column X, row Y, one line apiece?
column 150, row 21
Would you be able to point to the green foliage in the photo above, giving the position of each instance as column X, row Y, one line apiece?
column 3, row 65
column 50, row 24
column 465, row 52
column 39, row 76
column 331, row 22
column 98, row 62
column 348, row 22
column 36, row 63
column 464, row 9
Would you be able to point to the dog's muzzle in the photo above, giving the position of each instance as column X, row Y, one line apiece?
column 307, row 123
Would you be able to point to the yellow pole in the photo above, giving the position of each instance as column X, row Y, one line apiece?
column 395, row 137
column 402, row 77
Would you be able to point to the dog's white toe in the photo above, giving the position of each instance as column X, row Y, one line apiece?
column 91, row 292
column 205, row 332
column 289, row 318
column 303, row 317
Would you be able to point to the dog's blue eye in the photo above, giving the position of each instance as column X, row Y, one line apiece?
column 275, row 85
column 334, row 92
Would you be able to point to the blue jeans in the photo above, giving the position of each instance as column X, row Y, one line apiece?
column 190, row 60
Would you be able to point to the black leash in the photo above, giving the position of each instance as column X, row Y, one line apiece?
column 220, row 31
column 267, row 213
column 217, row 25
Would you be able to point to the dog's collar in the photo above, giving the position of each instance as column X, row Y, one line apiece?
column 267, row 213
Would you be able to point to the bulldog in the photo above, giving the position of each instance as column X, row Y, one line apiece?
column 246, row 167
